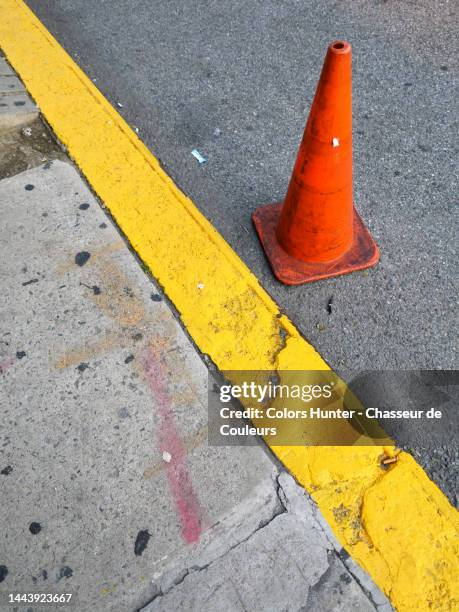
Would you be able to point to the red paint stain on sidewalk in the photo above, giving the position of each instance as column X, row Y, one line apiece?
column 6, row 363
column 179, row 478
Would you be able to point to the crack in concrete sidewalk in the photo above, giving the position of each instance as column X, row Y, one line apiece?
column 333, row 582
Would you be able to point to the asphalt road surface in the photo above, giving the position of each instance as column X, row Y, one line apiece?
column 235, row 81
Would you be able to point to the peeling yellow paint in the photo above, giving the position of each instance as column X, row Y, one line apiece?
column 395, row 523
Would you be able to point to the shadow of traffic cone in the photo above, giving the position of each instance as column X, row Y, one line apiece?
column 317, row 233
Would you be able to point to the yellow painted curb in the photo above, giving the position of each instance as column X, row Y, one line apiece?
column 396, row 523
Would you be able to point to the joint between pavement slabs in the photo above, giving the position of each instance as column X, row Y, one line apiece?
column 322, row 592
column 233, row 320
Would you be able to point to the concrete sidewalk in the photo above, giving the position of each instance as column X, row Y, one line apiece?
column 109, row 488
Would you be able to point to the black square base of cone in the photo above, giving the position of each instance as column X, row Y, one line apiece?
column 363, row 253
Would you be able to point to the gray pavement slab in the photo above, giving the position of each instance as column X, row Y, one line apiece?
column 5, row 68
column 10, row 85
column 235, row 81
column 16, row 109
column 98, row 381
column 291, row 554
column 16, row 106
column 109, row 489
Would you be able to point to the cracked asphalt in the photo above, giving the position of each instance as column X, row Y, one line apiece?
column 235, row 81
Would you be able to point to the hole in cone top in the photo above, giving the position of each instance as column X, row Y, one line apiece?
column 340, row 46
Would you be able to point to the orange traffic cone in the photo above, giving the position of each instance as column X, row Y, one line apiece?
column 317, row 233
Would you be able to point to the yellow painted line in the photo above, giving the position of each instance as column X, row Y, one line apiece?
column 395, row 523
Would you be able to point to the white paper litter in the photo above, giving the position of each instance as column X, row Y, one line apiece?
column 195, row 153
column 167, row 457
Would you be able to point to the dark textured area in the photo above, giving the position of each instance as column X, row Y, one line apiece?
column 25, row 147
column 141, row 542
